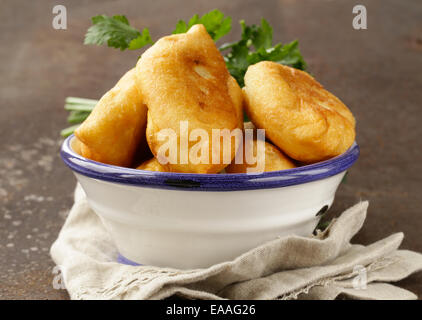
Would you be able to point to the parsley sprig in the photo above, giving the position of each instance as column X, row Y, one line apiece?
column 116, row 32
column 214, row 21
column 255, row 45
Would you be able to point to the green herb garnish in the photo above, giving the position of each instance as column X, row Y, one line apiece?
column 79, row 108
column 69, row 130
column 117, row 33
column 256, row 45
column 214, row 21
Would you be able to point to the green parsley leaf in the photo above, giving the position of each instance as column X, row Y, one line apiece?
column 291, row 56
column 237, row 61
column 181, row 27
column 255, row 46
column 116, row 32
column 258, row 36
column 141, row 41
column 214, row 21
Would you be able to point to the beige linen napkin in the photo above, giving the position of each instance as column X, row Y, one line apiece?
column 321, row 267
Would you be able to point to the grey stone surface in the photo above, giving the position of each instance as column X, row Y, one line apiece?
column 376, row 72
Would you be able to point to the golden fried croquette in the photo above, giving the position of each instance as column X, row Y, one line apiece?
column 184, row 77
column 88, row 153
column 116, row 126
column 300, row 117
column 274, row 159
column 151, row 165
column 236, row 94
column 80, row 148
column 77, row 145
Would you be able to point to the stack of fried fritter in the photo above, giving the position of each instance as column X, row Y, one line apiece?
column 183, row 79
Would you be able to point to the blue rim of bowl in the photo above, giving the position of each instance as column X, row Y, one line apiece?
column 207, row 182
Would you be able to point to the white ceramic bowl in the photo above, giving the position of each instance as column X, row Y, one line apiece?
column 197, row 220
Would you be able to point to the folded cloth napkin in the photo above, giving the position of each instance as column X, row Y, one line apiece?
column 321, row 267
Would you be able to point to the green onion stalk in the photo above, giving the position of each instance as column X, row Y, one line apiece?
column 79, row 109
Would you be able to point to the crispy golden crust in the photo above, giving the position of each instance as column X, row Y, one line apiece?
column 116, row 126
column 184, row 78
column 236, row 95
column 300, row 117
column 80, row 148
column 77, row 146
column 152, row 165
column 274, row 160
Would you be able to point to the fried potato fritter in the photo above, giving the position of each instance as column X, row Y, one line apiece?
column 300, row 117
column 236, row 94
column 151, row 165
column 116, row 126
column 77, row 145
column 184, row 77
column 274, row 159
